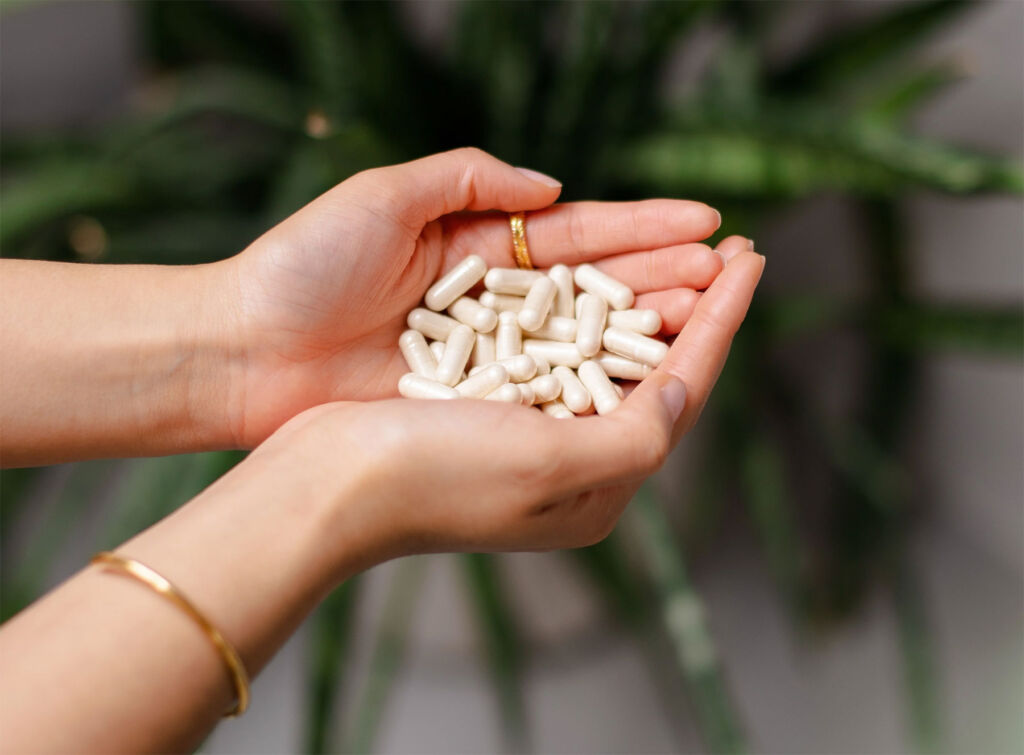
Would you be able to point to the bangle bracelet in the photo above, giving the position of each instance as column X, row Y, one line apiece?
column 148, row 577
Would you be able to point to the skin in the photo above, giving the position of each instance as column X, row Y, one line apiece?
column 282, row 347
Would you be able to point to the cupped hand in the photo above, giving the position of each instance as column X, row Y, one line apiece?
column 323, row 296
column 484, row 475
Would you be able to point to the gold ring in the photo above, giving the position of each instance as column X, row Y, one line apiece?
column 517, row 220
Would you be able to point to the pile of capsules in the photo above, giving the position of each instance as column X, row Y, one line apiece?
column 529, row 339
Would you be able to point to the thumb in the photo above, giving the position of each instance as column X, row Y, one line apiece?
column 462, row 179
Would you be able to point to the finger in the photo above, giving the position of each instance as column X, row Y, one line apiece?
column 578, row 232
column 675, row 307
column 700, row 350
column 731, row 246
column 685, row 266
column 462, row 179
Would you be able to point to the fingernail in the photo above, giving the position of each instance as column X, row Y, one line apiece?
column 722, row 256
column 719, row 224
column 673, row 397
column 750, row 245
column 534, row 175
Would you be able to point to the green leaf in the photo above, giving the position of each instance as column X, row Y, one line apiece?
column 896, row 98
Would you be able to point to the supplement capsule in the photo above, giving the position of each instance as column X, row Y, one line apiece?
column 546, row 388
column 593, row 312
column 437, row 349
column 470, row 312
column 574, row 393
column 599, row 386
column 520, row 368
column 593, row 281
column 562, row 276
column 635, row 346
column 620, row 367
column 458, row 281
column 456, row 354
column 577, row 306
column 506, row 280
column 556, row 329
column 538, row 303
column 509, row 393
column 509, row 339
column 431, row 324
column 483, row 350
column 501, row 302
column 543, row 368
column 644, row 321
column 556, row 409
column 417, row 354
column 487, row 380
column 526, row 393
column 553, row 352
column 412, row 385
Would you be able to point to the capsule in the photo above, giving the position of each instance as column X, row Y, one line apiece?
column 437, row 349
column 484, row 382
column 543, row 367
column 562, row 276
column 508, row 393
column 456, row 354
column 501, row 302
column 577, row 306
column 483, row 350
column 520, row 368
column 546, row 388
column 601, row 389
column 574, row 393
column 556, row 409
column 538, row 303
column 635, row 346
column 509, row 339
column 593, row 312
column 644, row 321
column 412, row 385
column 593, row 281
column 458, row 281
column 620, row 367
column 526, row 393
column 472, row 313
column 431, row 324
column 557, row 328
column 553, row 352
column 417, row 354
column 507, row 280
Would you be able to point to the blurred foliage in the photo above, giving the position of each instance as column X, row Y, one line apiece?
column 249, row 111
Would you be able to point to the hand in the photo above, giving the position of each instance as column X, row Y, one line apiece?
column 482, row 475
column 323, row 296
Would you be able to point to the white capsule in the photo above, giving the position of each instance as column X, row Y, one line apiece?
column 635, row 346
column 470, row 312
column 546, row 388
column 417, row 354
column 456, row 354
column 556, row 329
column 543, row 367
column 520, row 368
column 501, row 302
column 562, row 276
column 556, row 409
column 538, row 303
column 458, row 281
column 508, row 393
column 620, row 367
column 487, row 380
column 593, row 312
column 553, row 352
column 412, row 385
column 509, row 340
column 574, row 393
column 437, row 349
column 645, row 321
column 431, row 324
column 618, row 390
column 577, row 306
column 593, row 281
column 601, row 389
column 526, row 393
column 483, row 350
column 507, row 280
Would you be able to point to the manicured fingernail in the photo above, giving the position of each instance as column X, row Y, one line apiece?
column 719, row 224
column 721, row 256
column 673, row 397
column 540, row 177
column 750, row 245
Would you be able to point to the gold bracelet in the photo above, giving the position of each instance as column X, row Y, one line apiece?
column 148, row 577
column 517, row 222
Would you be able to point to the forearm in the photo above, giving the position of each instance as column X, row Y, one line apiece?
column 105, row 360
column 104, row 664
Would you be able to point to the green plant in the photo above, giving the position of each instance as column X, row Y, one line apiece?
column 322, row 90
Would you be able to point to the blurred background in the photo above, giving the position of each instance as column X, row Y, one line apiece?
column 833, row 562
